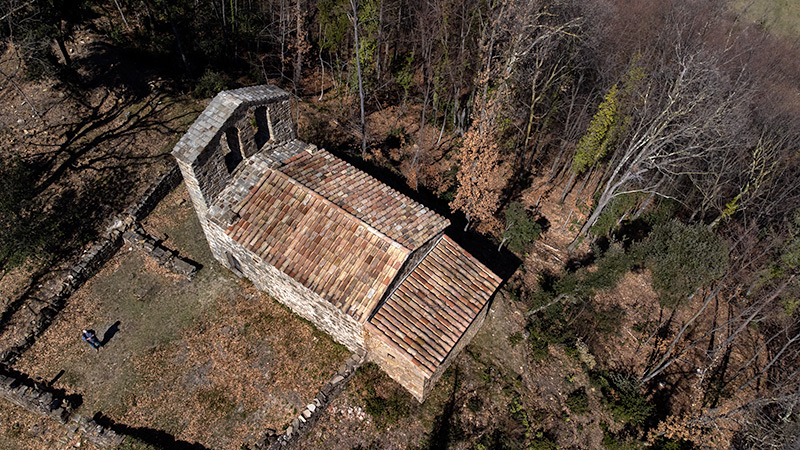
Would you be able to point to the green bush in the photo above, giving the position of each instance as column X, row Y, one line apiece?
column 209, row 85
column 521, row 228
column 613, row 442
column 623, row 398
column 578, row 401
column 475, row 404
column 612, row 214
column 542, row 442
column 612, row 265
column 663, row 443
column 682, row 258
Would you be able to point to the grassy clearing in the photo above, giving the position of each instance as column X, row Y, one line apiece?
column 213, row 361
column 781, row 17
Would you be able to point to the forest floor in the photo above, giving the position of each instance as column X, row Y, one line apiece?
column 213, row 361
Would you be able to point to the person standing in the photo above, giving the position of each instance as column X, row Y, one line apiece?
column 90, row 337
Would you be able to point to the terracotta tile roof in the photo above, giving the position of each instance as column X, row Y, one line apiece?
column 432, row 308
column 394, row 214
column 313, row 241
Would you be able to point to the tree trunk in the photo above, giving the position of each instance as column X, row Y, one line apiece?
column 354, row 5
column 568, row 187
column 300, row 47
column 122, row 14
column 61, row 44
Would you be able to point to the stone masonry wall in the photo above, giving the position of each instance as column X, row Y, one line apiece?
column 33, row 397
column 210, row 171
column 340, row 326
column 466, row 338
column 300, row 425
column 165, row 257
column 20, row 390
column 206, row 174
column 281, row 127
column 395, row 363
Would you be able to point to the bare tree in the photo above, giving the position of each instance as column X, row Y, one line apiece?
column 683, row 113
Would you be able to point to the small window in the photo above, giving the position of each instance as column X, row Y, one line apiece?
column 263, row 126
column 233, row 263
column 233, row 156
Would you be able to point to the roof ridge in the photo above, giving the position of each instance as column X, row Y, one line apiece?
column 336, row 207
column 366, row 197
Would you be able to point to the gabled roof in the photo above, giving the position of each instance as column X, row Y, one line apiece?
column 394, row 214
column 431, row 309
column 329, row 251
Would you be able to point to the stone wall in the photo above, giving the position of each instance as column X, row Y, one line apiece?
column 35, row 397
column 91, row 430
column 312, row 412
column 341, row 327
column 52, row 295
column 395, row 363
column 157, row 190
column 244, row 113
column 165, row 257
column 281, row 126
column 210, row 171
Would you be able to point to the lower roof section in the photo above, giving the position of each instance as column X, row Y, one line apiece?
column 433, row 307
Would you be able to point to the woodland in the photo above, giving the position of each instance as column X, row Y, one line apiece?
column 618, row 138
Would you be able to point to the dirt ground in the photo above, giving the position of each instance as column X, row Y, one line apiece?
column 213, row 361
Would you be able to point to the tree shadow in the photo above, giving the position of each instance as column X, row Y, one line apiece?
column 110, row 332
column 543, row 222
column 579, row 261
column 157, row 438
column 632, row 231
column 56, row 377
column 662, row 398
column 445, row 429
column 108, row 120
column 12, row 307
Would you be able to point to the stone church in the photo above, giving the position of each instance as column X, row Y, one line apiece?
column 363, row 262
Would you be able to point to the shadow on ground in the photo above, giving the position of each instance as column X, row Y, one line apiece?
column 151, row 436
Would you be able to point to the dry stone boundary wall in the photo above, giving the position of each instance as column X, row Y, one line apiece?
column 54, row 293
column 301, row 424
column 165, row 257
column 33, row 396
column 36, row 397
